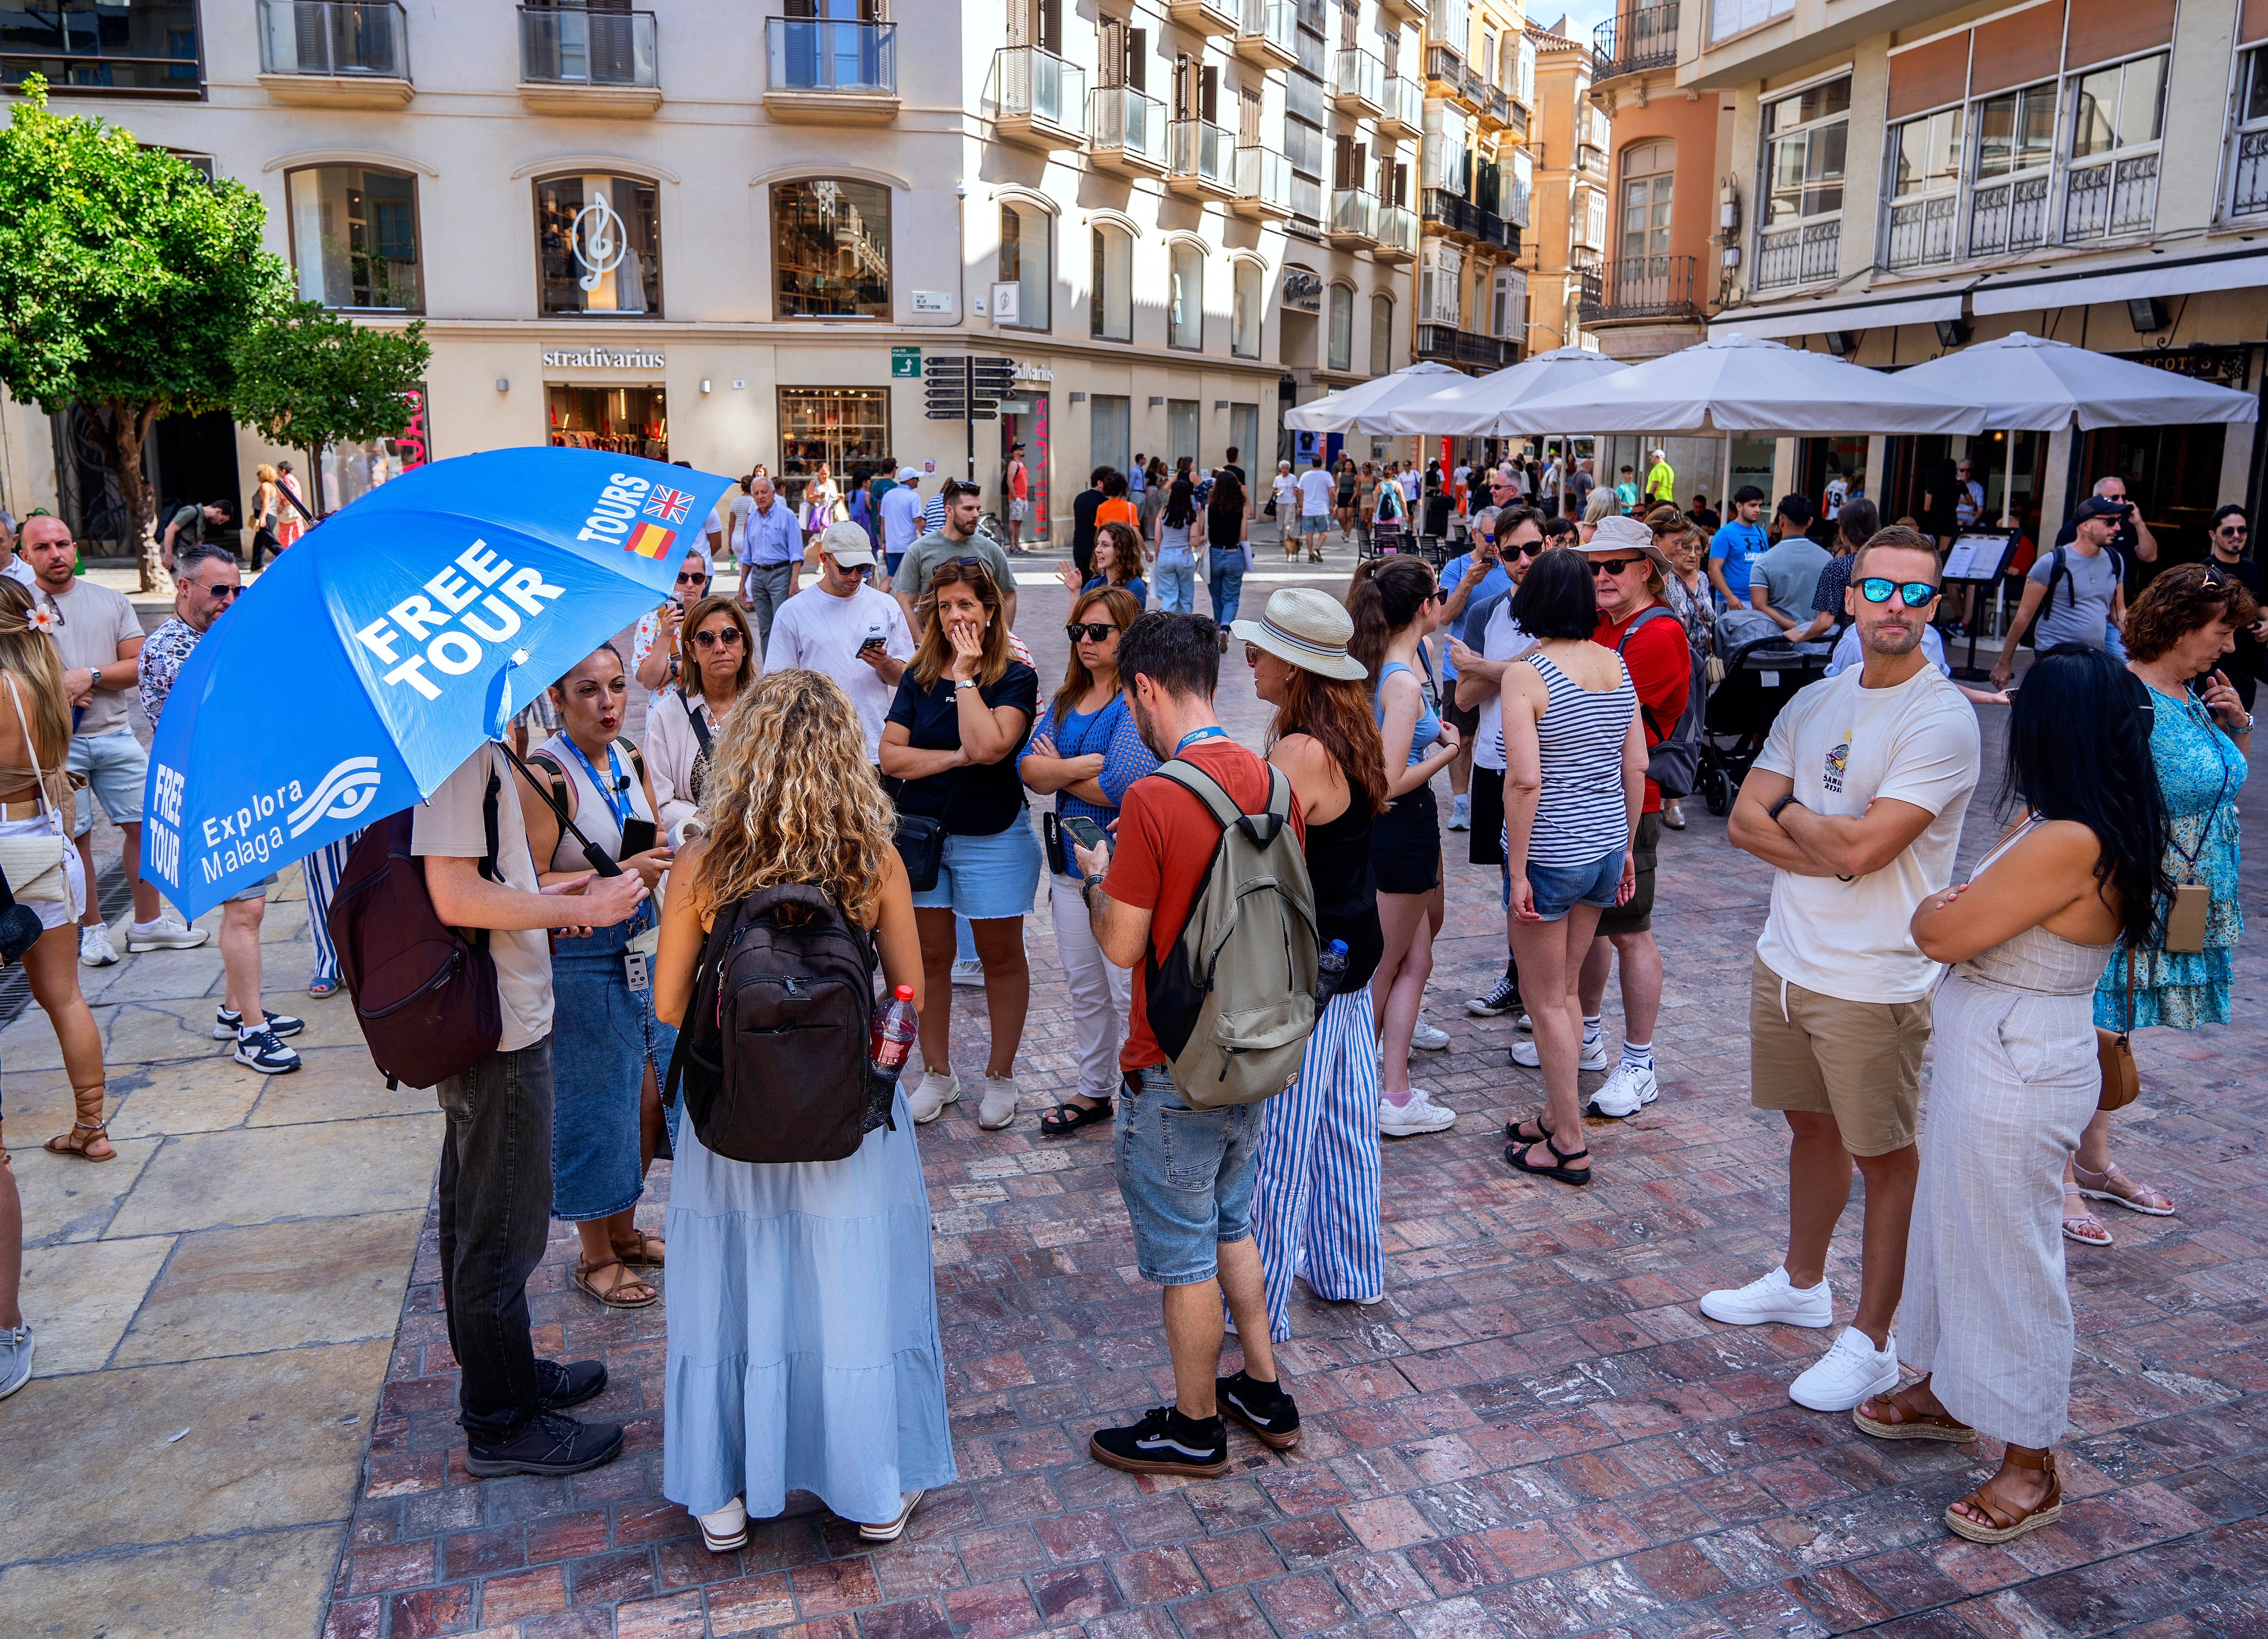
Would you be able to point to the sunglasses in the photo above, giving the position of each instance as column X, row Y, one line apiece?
column 222, row 595
column 854, row 569
column 1525, row 549
column 692, row 580
column 1092, row 631
column 1913, row 593
column 1613, row 565
column 2232, row 528
column 729, row 639
column 1252, row 654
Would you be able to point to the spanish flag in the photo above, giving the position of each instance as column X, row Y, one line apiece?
column 649, row 540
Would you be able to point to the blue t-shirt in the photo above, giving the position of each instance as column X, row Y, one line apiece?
column 1138, row 588
column 1735, row 544
column 1452, row 576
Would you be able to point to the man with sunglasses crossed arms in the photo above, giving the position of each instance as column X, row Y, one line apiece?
column 1856, row 803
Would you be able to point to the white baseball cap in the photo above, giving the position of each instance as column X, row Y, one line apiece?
column 908, row 475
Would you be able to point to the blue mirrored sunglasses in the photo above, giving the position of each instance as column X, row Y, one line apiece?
column 1917, row 593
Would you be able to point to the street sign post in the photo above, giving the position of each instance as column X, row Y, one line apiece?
column 905, row 363
column 966, row 389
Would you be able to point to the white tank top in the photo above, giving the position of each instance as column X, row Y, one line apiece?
column 594, row 814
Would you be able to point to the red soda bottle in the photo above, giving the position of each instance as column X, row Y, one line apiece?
column 893, row 1033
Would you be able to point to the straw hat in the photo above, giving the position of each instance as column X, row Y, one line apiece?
column 1616, row 534
column 1304, row 628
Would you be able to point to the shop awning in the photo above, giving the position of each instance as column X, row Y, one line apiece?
column 1818, row 318
column 2128, row 281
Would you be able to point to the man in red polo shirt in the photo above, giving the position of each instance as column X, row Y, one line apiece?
column 1628, row 574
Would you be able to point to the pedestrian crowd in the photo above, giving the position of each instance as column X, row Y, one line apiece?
column 831, row 806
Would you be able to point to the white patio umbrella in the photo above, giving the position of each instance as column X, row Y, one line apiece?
column 1367, row 407
column 1475, row 409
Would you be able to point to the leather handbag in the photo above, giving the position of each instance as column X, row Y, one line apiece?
column 34, row 865
column 2122, row 1080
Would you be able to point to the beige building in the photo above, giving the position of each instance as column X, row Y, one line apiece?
column 1569, row 142
column 1908, row 179
column 732, row 234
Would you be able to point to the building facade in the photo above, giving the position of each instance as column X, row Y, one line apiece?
column 1569, row 142
column 735, row 235
column 1911, row 179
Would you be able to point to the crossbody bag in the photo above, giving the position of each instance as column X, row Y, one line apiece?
column 33, row 864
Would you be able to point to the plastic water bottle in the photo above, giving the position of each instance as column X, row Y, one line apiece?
column 894, row 1025
column 1330, row 969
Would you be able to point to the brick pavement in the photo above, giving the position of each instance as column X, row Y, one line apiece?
column 1537, row 1434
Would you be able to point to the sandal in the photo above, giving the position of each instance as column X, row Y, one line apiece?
column 2084, row 1226
column 612, row 1297
column 71, row 1144
column 1511, row 1130
column 322, row 988
column 1069, row 1118
column 2007, row 1524
column 1517, row 1153
column 646, row 1250
column 1911, row 1422
column 2115, row 1185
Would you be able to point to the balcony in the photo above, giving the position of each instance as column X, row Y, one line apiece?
column 1444, row 343
column 1495, row 233
column 1642, row 38
column 1358, row 85
column 588, row 63
column 1126, row 132
column 1354, row 220
column 1405, row 110
column 1033, row 97
column 1268, row 33
column 2113, row 200
column 2248, row 194
column 1201, row 160
column 1263, row 185
column 335, row 54
column 1203, row 17
column 1445, row 65
column 1591, row 163
column 1640, row 287
column 1799, row 255
column 1923, row 232
column 1447, row 213
column 1495, row 106
column 2008, row 217
column 831, row 73
column 1408, row 11
column 1398, row 235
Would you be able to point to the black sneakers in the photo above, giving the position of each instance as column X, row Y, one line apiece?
column 1164, row 1443
column 546, row 1443
column 260, row 1050
column 1263, row 1407
column 1502, row 999
column 227, row 1024
column 558, row 1386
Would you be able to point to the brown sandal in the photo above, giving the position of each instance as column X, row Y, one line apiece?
column 612, row 1297
column 646, row 1252
column 2007, row 1524
column 97, row 1133
column 1912, row 1423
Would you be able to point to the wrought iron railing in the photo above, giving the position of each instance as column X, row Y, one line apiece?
column 2110, row 200
column 1640, row 287
column 1799, row 255
column 1924, row 233
column 1448, row 344
column 1642, row 37
column 2249, row 192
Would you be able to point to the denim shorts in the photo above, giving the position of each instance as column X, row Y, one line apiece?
column 985, row 877
column 116, row 767
column 1559, row 888
column 1186, row 1176
column 1314, row 523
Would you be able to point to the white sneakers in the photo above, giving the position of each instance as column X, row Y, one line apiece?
column 1420, row 1115
column 1460, row 812
column 968, row 974
column 929, row 1098
column 1427, row 1038
column 997, row 1107
column 727, row 1529
column 95, row 946
column 164, row 933
column 1848, row 1373
column 1593, row 1056
column 1770, row 1301
column 1627, row 1090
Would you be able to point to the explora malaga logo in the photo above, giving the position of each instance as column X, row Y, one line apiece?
column 343, row 793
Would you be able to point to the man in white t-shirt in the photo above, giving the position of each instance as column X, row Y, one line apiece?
column 1317, row 491
column 842, row 627
column 495, row 1189
column 1857, row 801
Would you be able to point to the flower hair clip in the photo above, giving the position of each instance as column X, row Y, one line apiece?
column 40, row 617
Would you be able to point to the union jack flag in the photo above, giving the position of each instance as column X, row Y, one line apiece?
column 669, row 505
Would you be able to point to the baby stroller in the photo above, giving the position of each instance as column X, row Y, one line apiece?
column 1761, row 677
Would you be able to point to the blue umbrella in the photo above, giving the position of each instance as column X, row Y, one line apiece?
column 380, row 651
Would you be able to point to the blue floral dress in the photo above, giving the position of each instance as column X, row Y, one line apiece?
column 2200, row 771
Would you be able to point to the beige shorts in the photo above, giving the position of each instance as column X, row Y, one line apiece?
column 1859, row 1061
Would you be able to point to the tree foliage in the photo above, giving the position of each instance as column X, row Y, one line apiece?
column 126, row 279
column 305, row 377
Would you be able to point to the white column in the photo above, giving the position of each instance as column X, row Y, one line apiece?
column 2055, row 503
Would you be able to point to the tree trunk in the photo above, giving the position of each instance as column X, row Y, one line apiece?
column 316, row 479
column 124, row 428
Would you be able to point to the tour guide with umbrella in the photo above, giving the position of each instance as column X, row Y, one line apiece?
column 378, row 653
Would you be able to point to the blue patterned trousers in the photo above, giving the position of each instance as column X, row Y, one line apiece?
column 1315, row 1191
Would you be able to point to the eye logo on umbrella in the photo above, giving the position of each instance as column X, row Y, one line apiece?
column 343, row 793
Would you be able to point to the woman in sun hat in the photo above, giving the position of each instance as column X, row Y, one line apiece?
column 1314, row 1184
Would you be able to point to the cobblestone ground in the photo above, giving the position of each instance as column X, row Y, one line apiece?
column 1537, row 1433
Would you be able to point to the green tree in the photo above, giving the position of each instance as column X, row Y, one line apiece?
column 305, row 377
column 125, row 280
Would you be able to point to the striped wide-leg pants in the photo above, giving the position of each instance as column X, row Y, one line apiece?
column 1314, row 1184
column 324, row 867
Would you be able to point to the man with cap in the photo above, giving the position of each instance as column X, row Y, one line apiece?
column 957, row 535
column 1018, row 483
column 771, row 556
column 841, row 625
column 2077, row 591
column 902, row 519
column 1660, row 480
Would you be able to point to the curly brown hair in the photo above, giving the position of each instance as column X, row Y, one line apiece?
column 2179, row 601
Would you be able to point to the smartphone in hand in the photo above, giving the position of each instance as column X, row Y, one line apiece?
column 1082, row 831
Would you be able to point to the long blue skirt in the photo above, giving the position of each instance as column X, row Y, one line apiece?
column 803, row 1332
column 603, row 1035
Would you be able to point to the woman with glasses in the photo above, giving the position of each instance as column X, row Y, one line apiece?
column 1085, row 750
column 1118, row 563
column 964, row 709
column 1395, row 606
column 682, row 724
column 654, row 645
column 1176, row 556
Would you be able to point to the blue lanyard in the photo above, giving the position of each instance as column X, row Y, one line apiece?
column 1194, row 735
column 617, row 798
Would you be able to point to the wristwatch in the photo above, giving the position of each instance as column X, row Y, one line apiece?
column 1773, row 813
column 963, row 683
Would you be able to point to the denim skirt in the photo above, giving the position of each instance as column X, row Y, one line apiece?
column 603, row 1035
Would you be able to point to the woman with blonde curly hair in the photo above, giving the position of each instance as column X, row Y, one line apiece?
column 803, row 1332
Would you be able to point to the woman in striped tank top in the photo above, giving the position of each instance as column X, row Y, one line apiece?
column 1574, row 780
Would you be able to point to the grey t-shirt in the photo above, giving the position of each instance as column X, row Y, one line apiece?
column 934, row 548
column 1790, row 571
column 94, row 622
column 2079, row 607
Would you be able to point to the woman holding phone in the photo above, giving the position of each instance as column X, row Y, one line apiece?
column 609, row 1050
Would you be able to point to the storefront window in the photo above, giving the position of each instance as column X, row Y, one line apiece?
column 354, row 468
column 1244, row 322
column 598, row 245
column 847, row 427
column 354, row 237
column 831, row 247
column 1342, row 354
column 1027, row 262
column 1185, row 299
column 628, row 420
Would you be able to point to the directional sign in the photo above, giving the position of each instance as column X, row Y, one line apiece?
column 905, row 363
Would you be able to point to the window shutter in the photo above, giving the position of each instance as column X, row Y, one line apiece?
column 1110, row 52
column 1209, row 95
column 1051, row 25
column 800, row 11
column 1137, row 58
column 1361, row 164
column 1401, row 183
column 1342, row 160
column 1248, row 119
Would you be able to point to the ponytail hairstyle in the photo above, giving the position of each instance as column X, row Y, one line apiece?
column 1388, row 593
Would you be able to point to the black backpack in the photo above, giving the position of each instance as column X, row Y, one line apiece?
column 1674, row 760
column 773, row 1054
column 2059, row 570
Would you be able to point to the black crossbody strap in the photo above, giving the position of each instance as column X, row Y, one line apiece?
column 601, row 862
